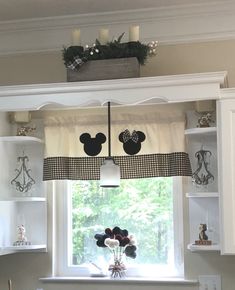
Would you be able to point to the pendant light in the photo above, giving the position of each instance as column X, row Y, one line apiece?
column 109, row 171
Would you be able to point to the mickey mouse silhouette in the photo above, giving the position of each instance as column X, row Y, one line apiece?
column 92, row 146
column 131, row 142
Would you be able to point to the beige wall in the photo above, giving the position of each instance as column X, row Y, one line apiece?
column 194, row 58
column 25, row 269
column 172, row 59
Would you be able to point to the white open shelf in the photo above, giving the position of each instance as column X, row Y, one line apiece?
column 20, row 139
column 201, row 131
column 203, row 201
column 24, row 199
column 202, row 194
column 25, row 248
column 203, row 248
column 16, row 249
column 29, row 208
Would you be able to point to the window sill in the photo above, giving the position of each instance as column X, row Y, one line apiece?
column 126, row 280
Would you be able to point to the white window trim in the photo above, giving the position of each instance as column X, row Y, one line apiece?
column 61, row 228
column 178, row 224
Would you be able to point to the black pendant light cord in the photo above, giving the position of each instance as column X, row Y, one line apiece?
column 109, row 130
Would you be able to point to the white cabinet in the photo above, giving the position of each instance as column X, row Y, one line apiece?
column 226, row 146
column 203, row 198
column 219, row 200
column 26, row 208
column 149, row 90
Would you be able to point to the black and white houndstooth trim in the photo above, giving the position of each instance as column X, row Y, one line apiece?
column 137, row 166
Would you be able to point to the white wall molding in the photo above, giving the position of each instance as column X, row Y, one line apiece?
column 168, row 25
column 148, row 90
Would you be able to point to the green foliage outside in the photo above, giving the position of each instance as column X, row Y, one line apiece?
column 143, row 206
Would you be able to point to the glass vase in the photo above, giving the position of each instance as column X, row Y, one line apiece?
column 117, row 269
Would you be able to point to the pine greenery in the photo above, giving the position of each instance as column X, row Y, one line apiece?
column 113, row 49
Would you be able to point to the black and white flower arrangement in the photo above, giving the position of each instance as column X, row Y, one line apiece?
column 75, row 56
column 120, row 243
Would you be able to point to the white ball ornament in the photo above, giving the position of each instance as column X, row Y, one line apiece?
column 132, row 240
column 111, row 243
column 107, row 241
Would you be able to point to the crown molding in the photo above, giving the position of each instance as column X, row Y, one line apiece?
column 169, row 25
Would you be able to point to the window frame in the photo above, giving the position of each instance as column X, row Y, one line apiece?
column 62, row 238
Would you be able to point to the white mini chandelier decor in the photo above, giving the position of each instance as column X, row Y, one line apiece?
column 109, row 171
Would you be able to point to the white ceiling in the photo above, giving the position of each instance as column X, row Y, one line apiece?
column 28, row 9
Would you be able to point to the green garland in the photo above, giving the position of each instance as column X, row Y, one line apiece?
column 75, row 56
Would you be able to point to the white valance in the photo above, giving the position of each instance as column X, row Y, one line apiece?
column 163, row 126
column 162, row 151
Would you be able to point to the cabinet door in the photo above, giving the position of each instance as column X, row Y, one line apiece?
column 226, row 156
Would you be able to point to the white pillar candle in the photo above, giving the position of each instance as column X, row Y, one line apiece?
column 103, row 36
column 134, row 33
column 76, row 37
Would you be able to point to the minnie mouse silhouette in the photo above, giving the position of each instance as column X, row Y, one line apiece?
column 131, row 141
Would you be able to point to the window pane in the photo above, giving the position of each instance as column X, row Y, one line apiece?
column 142, row 206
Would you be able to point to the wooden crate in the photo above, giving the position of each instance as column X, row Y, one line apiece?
column 106, row 69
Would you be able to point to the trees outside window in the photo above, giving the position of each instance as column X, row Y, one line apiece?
column 149, row 208
column 143, row 206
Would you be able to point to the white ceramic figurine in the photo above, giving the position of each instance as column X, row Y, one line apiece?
column 21, row 234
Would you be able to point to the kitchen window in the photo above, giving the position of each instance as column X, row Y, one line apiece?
column 150, row 208
column 148, row 202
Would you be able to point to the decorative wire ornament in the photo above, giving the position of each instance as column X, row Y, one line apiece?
column 23, row 181
column 202, row 176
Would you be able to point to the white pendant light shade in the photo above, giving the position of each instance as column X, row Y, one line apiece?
column 109, row 173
